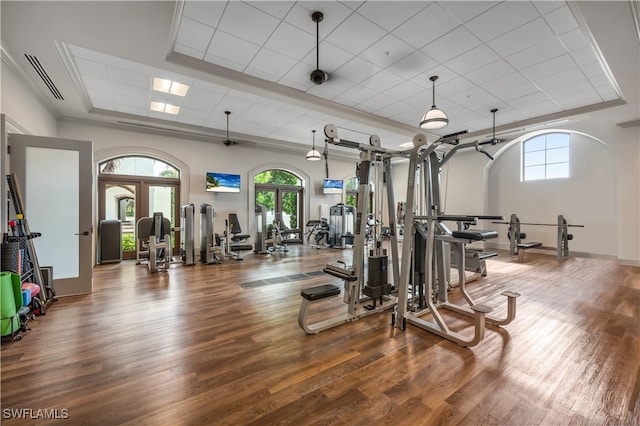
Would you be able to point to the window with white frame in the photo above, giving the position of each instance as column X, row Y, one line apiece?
column 545, row 156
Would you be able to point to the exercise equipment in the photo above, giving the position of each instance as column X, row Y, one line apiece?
column 427, row 245
column 11, row 304
column 153, row 242
column 110, row 241
column 187, row 231
column 212, row 249
column 317, row 232
column 341, row 223
column 235, row 239
column 271, row 237
column 30, row 270
column 474, row 258
column 518, row 247
column 366, row 285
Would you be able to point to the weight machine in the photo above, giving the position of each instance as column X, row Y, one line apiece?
column 362, row 296
column 211, row 250
column 153, row 242
column 517, row 246
column 272, row 237
column 341, row 223
column 187, row 249
column 427, row 245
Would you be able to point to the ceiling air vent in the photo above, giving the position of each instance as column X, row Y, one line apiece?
column 37, row 66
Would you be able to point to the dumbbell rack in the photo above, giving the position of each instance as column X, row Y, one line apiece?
column 22, row 233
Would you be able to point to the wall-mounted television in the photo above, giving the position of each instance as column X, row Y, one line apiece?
column 332, row 186
column 223, row 182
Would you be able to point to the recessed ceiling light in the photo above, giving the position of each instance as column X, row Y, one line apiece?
column 162, row 107
column 168, row 86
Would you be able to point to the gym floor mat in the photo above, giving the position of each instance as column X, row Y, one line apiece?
column 282, row 279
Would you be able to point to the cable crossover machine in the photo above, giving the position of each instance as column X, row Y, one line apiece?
column 362, row 297
column 428, row 243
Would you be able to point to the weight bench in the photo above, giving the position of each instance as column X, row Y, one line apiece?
column 474, row 258
column 314, row 294
column 237, row 246
column 524, row 246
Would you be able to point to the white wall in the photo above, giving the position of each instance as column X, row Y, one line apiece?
column 23, row 109
column 195, row 158
column 586, row 198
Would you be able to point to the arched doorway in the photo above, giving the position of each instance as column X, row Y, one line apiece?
column 281, row 192
column 131, row 187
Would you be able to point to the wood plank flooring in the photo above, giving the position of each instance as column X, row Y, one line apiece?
column 190, row 346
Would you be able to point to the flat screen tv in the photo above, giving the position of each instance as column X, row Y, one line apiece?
column 223, row 182
column 332, row 186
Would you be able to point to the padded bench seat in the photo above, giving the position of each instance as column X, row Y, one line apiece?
column 475, row 234
column 241, row 247
column 529, row 245
column 320, row 292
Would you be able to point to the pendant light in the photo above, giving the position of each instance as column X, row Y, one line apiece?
column 314, row 155
column 434, row 118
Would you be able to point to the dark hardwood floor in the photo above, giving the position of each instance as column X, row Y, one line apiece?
column 192, row 346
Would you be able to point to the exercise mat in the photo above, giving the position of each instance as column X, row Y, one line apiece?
column 10, row 302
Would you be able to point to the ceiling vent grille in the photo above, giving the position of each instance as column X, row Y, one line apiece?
column 37, row 66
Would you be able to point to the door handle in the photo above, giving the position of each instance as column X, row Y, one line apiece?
column 82, row 233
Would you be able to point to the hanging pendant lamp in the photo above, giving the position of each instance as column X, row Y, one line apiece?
column 434, row 118
column 314, row 155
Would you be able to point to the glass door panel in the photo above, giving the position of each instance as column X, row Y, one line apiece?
column 268, row 200
column 291, row 213
column 120, row 204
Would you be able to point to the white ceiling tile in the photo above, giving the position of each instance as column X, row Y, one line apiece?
column 580, row 99
column 334, row 14
column 453, row 86
column 426, row 26
column 515, row 92
column 522, row 37
column 562, row 78
column 211, row 87
column 378, row 102
column 194, row 35
column 404, row 89
column 387, row 51
column 536, row 109
column 224, row 63
column 131, row 109
column 607, row 93
column 569, row 88
column 490, row 72
column 444, row 75
column 233, row 49
column 350, row 34
column 196, row 117
column 584, row 56
column 332, row 57
column 546, row 6
column 501, row 19
column 389, row 14
column 291, row 41
column 574, row 40
column 531, row 99
column 473, row 59
column 561, row 20
column 353, row 4
column 162, row 115
column 550, row 67
column 186, row 50
column 279, row 8
column 451, row 45
column 246, row 22
column 129, row 78
column 506, row 82
column 205, row 12
column 355, row 95
column 382, row 81
column 269, row 65
column 412, row 65
column 464, row 11
column 202, row 99
column 357, row 70
column 92, row 68
column 536, row 54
